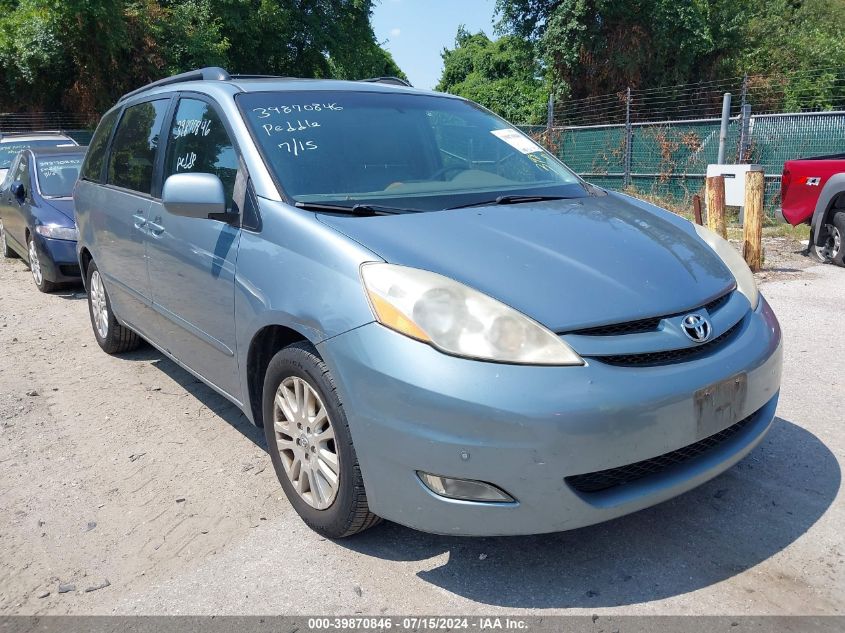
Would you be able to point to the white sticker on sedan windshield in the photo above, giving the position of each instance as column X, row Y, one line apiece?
column 517, row 141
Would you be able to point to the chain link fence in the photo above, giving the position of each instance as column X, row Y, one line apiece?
column 80, row 127
column 658, row 142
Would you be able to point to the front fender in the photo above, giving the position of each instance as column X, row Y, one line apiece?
column 300, row 274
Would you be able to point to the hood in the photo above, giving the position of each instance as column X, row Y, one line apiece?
column 62, row 205
column 568, row 264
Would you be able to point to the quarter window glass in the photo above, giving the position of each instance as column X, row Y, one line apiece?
column 199, row 144
column 93, row 167
column 135, row 144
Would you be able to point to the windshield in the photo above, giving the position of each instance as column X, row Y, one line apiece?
column 8, row 151
column 57, row 175
column 417, row 152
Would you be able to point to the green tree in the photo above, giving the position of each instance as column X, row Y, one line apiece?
column 799, row 47
column 81, row 55
column 503, row 75
column 601, row 46
column 593, row 47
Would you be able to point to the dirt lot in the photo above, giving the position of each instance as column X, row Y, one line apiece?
column 128, row 487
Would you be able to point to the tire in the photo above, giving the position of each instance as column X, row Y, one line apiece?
column 333, row 509
column 830, row 236
column 111, row 336
column 36, row 269
column 839, row 228
column 5, row 249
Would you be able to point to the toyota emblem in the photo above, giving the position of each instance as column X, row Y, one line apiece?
column 697, row 328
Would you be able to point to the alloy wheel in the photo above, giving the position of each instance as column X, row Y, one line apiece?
column 306, row 442
column 99, row 307
column 35, row 264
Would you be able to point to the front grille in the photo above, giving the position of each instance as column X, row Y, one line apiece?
column 651, row 324
column 686, row 354
column 631, row 327
column 613, row 477
column 717, row 303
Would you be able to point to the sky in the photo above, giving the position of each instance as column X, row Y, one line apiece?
column 416, row 31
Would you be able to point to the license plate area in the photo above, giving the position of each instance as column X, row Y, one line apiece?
column 720, row 405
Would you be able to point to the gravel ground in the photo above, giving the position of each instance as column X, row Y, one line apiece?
column 126, row 486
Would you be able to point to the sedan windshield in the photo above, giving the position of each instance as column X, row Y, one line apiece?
column 9, row 150
column 57, row 175
column 407, row 151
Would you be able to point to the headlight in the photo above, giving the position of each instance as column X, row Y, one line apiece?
column 57, row 232
column 459, row 320
column 733, row 260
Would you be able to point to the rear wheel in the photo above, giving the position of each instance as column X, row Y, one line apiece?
column 6, row 251
column 37, row 271
column 111, row 336
column 310, row 445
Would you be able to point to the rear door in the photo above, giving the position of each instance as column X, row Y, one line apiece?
column 192, row 260
column 118, row 210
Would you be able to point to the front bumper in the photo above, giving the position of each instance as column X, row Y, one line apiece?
column 58, row 259
column 525, row 429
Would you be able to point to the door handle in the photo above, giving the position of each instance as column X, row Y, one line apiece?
column 155, row 229
column 140, row 220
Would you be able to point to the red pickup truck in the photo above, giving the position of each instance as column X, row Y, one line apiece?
column 812, row 191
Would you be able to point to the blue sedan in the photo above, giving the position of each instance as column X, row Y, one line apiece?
column 36, row 214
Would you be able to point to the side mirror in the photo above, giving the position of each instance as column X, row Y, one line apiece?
column 194, row 195
column 19, row 191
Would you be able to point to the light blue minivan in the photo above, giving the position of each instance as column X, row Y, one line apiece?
column 434, row 320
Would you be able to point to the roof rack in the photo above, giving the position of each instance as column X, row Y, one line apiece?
column 211, row 73
column 215, row 73
column 261, row 77
column 394, row 81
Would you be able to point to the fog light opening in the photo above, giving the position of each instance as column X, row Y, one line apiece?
column 464, row 489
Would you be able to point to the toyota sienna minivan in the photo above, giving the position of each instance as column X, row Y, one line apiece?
column 433, row 319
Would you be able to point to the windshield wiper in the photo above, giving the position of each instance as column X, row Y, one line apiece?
column 355, row 209
column 509, row 200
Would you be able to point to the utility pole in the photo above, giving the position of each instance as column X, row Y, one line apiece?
column 723, row 131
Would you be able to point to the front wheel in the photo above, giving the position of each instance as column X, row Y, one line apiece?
column 831, row 247
column 111, row 336
column 838, row 254
column 37, row 271
column 310, row 445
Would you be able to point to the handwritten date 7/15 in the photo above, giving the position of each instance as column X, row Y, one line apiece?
column 297, row 147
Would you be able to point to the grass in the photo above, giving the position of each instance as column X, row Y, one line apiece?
column 684, row 209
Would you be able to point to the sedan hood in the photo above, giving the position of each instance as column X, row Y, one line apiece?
column 63, row 206
column 568, row 264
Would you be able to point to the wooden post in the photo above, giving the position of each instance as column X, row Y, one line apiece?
column 696, row 209
column 752, row 234
column 715, row 192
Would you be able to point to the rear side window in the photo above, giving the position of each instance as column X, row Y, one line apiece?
column 133, row 151
column 200, row 144
column 92, row 168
